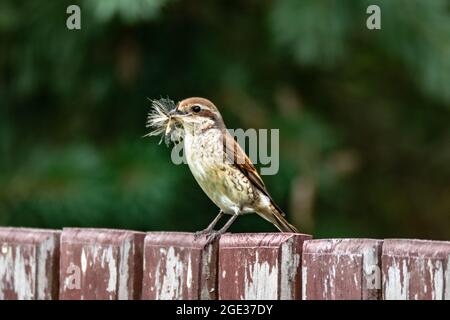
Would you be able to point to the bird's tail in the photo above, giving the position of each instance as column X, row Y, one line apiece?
column 276, row 216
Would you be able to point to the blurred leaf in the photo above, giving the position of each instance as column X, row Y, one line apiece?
column 128, row 11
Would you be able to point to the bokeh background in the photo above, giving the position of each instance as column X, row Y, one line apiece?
column 363, row 115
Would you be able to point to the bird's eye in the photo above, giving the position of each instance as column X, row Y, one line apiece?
column 196, row 108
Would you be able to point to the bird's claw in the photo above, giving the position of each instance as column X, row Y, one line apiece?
column 200, row 233
column 211, row 235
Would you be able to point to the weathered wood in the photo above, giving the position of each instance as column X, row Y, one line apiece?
column 260, row 266
column 341, row 269
column 416, row 270
column 108, row 264
column 178, row 266
column 100, row 264
column 29, row 261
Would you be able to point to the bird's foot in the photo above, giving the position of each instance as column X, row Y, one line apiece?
column 204, row 232
column 213, row 236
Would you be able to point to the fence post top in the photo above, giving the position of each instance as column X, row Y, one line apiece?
column 417, row 248
column 340, row 246
column 27, row 235
column 259, row 239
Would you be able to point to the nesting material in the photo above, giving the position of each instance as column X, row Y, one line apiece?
column 161, row 123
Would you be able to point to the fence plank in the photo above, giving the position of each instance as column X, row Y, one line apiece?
column 177, row 266
column 341, row 269
column 101, row 264
column 29, row 261
column 416, row 270
column 260, row 266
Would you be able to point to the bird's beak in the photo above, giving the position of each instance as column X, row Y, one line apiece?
column 177, row 114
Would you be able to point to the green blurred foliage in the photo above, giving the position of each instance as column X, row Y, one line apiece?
column 363, row 115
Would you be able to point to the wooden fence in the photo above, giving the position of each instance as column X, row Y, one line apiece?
column 120, row 264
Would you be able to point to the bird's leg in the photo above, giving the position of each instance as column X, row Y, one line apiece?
column 213, row 235
column 210, row 227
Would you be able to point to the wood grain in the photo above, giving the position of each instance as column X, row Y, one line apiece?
column 416, row 270
column 178, row 266
column 29, row 264
column 101, row 264
column 260, row 266
column 341, row 269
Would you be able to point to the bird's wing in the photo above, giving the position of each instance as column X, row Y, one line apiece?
column 237, row 156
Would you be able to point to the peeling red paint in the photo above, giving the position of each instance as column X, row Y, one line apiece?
column 119, row 264
column 29, row 264
column 416, row 270
column 107, row 262
column 260, row 266
column 341, row 269
column 178, row 266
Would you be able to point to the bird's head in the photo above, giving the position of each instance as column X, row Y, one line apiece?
column 197, row 113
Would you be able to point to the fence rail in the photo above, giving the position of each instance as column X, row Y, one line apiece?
column 122, row 264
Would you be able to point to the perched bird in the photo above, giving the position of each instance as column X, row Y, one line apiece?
column 221, row 167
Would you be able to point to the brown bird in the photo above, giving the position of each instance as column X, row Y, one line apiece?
column 222, row 169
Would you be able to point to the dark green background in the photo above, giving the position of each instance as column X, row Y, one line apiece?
column 363, row 115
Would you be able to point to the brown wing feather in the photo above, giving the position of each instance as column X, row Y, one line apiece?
column 237, row 156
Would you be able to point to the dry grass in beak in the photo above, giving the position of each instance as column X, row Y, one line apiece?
column 161, row 122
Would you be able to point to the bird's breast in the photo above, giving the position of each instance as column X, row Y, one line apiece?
column 224, row 184
column 203, row 154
